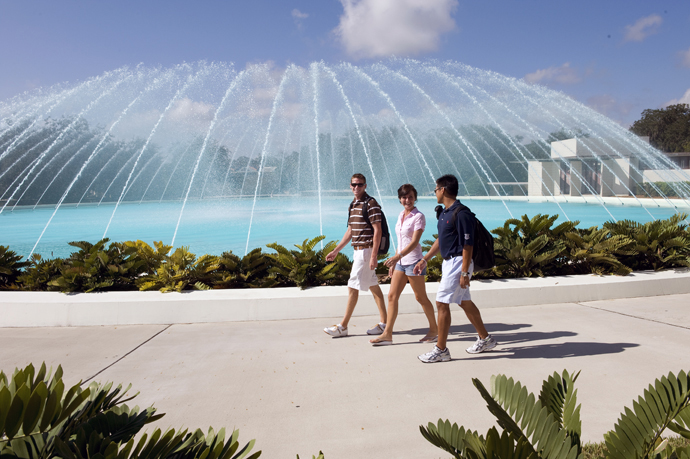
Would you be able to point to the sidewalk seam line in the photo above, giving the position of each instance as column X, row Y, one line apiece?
column 634, row 317
column 121, row 358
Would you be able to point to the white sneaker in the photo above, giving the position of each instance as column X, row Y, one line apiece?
column 482, row 345
column 336, row 331
column 377, row 329
column 436, row 355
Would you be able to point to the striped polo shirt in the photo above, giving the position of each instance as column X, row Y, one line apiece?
column 363, row 234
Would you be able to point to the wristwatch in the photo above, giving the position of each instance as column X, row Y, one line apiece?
column 464, row 274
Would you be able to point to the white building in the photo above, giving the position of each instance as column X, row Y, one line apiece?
column 585, row 166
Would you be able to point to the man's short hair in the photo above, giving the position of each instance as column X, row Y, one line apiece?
column 450, row 183
column 405, row 190
column 361, row 177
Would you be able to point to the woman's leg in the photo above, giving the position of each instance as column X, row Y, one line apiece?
column 398, row 282
column 419, row 289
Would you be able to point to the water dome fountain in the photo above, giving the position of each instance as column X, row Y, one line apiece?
column 221, row 158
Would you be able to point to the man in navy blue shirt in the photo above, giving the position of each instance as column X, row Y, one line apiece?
column 455, row 241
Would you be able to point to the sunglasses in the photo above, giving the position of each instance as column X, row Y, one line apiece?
column 355, row 185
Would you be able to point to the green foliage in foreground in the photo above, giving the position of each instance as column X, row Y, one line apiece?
column 549, row 426
column 524, row 247
column 41, row 418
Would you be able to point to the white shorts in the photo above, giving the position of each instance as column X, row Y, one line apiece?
column 361, row 277
column 449, row 291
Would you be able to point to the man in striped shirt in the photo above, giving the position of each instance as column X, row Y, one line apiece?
column 365, row 240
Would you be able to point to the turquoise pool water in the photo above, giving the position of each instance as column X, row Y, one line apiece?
column 214, row 226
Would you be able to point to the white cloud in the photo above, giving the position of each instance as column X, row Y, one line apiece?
column 297, row 14
column 187, row 109
column 684, row 99
column 381, row 28
column 643, row 28
column 685, row 58
column 564, row 74
column 298, row 17
column 609, row 106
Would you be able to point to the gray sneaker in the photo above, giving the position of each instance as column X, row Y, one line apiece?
column 377, row 329
column 482, row 345
column 336, row 331
column 436, row 355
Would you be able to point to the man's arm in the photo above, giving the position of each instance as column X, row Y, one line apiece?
column 466, row 260
column 343, row 242
column 374, row 262
column 419, row 267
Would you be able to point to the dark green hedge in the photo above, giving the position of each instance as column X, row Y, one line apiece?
column 524, row 247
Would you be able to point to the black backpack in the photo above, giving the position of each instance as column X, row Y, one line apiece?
column 483, row 250
column 385, row 233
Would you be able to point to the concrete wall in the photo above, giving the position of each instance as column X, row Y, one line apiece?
column 667, row 175
column 565, row 149
column 618, row 176
column 51, row 309
column 543, row 178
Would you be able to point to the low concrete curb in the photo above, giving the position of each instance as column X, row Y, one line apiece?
column 51, row 309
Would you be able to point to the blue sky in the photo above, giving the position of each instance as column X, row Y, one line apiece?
column 619, row 57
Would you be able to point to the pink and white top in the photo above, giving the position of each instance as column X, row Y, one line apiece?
column 405, row 229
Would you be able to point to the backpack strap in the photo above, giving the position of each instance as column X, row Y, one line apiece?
column 460, row 208
column 365, row 211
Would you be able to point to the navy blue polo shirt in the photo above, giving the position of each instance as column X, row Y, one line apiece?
column 453, row 236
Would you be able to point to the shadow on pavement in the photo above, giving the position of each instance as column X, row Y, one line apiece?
column 515, row 344
column 466, row 329
column 551, row 350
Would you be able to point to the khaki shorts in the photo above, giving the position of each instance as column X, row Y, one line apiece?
column 361, row 277
column 449, row 291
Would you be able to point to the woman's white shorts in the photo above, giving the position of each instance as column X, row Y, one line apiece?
column 449, row 290
column 361, row 277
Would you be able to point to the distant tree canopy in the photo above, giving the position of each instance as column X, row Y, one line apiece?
column 668, row 128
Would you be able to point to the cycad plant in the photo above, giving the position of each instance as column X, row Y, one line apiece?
column 250, row 271
column 95, row 267
column 152, row 257
column 594, row 250
column 37, row 276
column 549, row 426
column 40, row 418
column 529, row 247
column 10, row 268
column 657, row 245
column 307, row 267
column 181, row 271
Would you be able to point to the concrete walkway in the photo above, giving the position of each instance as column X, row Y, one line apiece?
column 296, row 390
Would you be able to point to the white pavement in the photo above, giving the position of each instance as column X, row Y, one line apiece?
column 296, row 390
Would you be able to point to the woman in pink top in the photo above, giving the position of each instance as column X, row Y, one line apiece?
column 409, row 229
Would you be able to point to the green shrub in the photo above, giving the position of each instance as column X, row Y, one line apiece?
column 307, row 267
column 549, row 426
column 251, row 271
column 151, row 257
column 595, row 251
column 524, row 247
column 10, row 268
column 40, row 419
column 530, row 247
column 650, row 190
column 95, row 268
column 660, row 244
column 37, row 276
column 181, row 271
